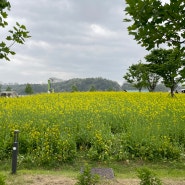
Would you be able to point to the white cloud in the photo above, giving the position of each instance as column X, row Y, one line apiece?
column 100, row 31
column 39, row 44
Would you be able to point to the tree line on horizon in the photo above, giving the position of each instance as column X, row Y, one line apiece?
column 75, row 85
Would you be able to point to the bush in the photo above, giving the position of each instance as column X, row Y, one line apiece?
column 2, row 179
column 87, row 178
column 148, row 178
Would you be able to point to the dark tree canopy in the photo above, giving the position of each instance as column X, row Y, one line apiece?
column 139, row 75
column 154, row 23
column 151, row 79
column 28, row 89
column 169, row 64
column 135, row 75
column 17, row 35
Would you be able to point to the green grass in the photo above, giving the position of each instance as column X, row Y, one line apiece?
column 171, row 170
column 122, row 170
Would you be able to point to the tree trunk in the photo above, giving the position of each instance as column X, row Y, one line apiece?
column 172, row 92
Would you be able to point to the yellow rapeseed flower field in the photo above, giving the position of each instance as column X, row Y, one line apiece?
column 55, row 128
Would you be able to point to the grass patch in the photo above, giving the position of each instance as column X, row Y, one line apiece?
column 122, row 170
column 127, row 169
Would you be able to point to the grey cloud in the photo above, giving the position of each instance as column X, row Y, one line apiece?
column 71, row 39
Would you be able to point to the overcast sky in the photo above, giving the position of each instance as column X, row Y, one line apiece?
column 70, row 39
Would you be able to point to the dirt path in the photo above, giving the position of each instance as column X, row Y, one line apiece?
column 61, row 180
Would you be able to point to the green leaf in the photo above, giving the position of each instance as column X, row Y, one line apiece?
column 15, row 28
column 6, row 50
column 12, row 52
column 127, row 20
column 17, row 24
column 4, row 14
column 5, row 23
column 23, row 27
column 2, row 44
column 8, row 38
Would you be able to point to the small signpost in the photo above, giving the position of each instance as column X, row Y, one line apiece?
column 15, row 152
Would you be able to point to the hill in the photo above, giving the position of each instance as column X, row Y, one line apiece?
column 75, row 84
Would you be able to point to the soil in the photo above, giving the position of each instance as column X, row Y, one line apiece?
column 61, row 180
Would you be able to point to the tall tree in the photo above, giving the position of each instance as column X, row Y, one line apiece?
column 154, row 23
column 134, row 76
column 151, row 79
column 141, row 76
column 169, row 64
column 28, row 89
column 74, row 88
column 17, row 35
column 92, row 89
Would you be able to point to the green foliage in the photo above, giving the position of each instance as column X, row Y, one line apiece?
column 28, row 89
column 101, row 147
column 147, row 177
column 8, row 88
column 47, row 151
column 169, row 64
column 87, row 178
column 61, row 128
column 154, row 23
column 134, row 76
column 17, row 35
column 92, row 89
column 140, row 75
column 2, row 179
column 74, row 88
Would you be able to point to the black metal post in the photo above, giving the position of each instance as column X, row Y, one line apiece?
column 15, row 151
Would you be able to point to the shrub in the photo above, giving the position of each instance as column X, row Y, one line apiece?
column 87, row 178
column 2, row 180
column 148, row 178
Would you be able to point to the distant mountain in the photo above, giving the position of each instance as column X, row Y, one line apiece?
column 87, row 84
column 75, row 84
